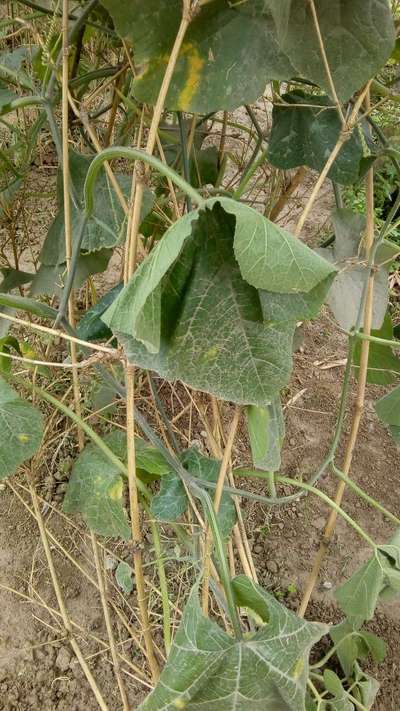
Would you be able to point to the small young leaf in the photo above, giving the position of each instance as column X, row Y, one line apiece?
column 124, row 577
column 388, row 408
column 383, row 364
column 346, row 292
column 171, row 501
column 340, row 701
column 21, row 430
column 266, row 430
column 91, row 327
column 359, row 595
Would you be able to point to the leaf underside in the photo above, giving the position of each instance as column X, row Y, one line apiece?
column 197, row 309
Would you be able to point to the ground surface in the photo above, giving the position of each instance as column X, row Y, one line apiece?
column 37, row 668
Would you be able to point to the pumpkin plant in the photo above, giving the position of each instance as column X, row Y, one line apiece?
column 211, row 295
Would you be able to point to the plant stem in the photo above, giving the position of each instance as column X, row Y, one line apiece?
column 135, row 521
column 163, row 586
column 217, row 502
column 134, row 154
column 362, row 379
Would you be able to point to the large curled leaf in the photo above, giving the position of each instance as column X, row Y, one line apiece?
column 193, row 310
column 171, row 501
column 383, row 364
column 21, row 430
column 266, row 430
column 231, row 49
column 96, row 487
column 208, row 670
column 346, row 293
column 302, row 135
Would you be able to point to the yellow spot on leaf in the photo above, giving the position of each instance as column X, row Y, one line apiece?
column 23, row 438
column 179, row 704
column 211, row 354
column 195, row 64
column 115, row 492
column 298, row 668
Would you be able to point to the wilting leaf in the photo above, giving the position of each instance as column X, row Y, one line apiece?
column 91, row 327
column 12, row 278
column 124, row 577
column 171, row 501
column 209, row 670
column 231, row 49
column 346, row 293
column 266, row 430
column 21, row 430
column 96, row 488
column 200, row 318
column 303, row 135
column 23, row 303
column 50, row 279
column 383, row 364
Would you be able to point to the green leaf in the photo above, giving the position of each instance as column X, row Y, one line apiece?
column 347, row 290
column 95, row 489
column 204, row 168
column 383, row 364
column 340, row 700
column 21, row 430
column 200, row 319
column 266, row 430
column 209, row 670
column 231, row 50
column 105, row 228
column 388, row 408
column 12, row 278
column 306, row 136
column 359, row 595
column 367, row 686
column 379, row 577
column 50, row 279
column 124, row 577
column 23, row 303
column 295, row 307
column 171, row 501
column 6, row 97
column 348, row 650
column 91, row 327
